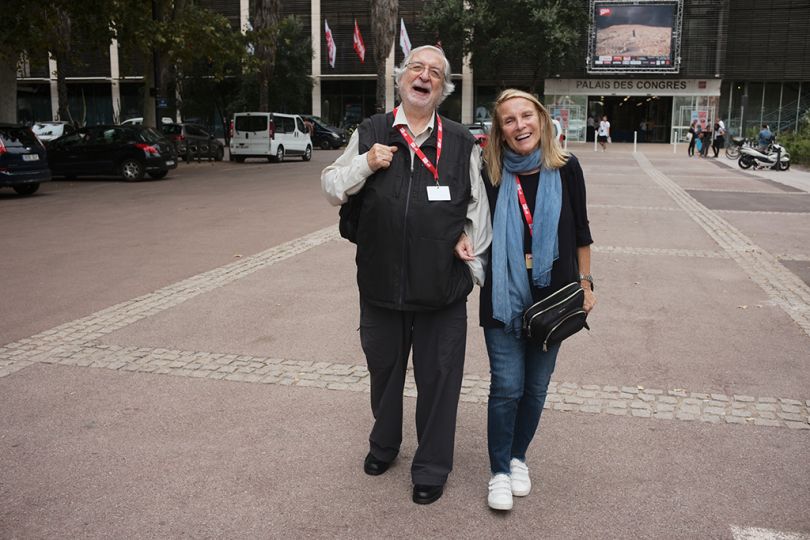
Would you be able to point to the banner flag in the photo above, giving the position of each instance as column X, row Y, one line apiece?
column 404, row 40
column 331, row 49
column 359, row 47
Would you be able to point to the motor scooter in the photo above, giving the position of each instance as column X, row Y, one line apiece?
column 774, row 156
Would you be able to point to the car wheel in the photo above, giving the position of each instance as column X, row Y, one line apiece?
column 219, row 154
column 280, row 154
column 307, row 153
column 26, row 189
column 325, row 145
column 158, row 175
column 131, row 170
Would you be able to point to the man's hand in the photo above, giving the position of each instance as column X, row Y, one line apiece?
column 464, row 248
column 380, row 156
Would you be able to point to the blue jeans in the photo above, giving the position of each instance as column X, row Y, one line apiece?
column 520, row 372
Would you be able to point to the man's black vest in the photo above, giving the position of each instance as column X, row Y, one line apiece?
column 405, row 242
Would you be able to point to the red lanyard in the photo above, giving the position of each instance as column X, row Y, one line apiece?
column 418, row 151
column 524, row 205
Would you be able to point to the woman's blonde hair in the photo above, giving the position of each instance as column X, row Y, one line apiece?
column 554, row 157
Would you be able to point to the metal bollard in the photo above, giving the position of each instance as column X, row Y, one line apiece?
column 635, row 140
column 674, row 141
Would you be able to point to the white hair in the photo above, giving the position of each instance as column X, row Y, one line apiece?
column 447, row 85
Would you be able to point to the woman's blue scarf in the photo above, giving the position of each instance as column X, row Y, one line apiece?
column 511, row 293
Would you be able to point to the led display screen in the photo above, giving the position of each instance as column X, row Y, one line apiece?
column 634, row 36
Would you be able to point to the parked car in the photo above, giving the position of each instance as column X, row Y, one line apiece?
column 481, row 133
column 23, row 160
column 192, row 141
column 324, row 136
column 138, row 120
column 125, row 151
column 48, row 131
column 269, row 135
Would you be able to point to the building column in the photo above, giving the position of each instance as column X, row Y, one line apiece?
column 52, row 70
column 467, row 91
column 390, row 91
column 115, row 87
column 315, row 37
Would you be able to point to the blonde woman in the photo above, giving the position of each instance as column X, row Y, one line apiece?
column 541, row 242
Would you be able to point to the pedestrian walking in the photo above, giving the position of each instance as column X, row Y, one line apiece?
column 719, row 136
column 422, row 229
column 693, row 135
column 603, row 135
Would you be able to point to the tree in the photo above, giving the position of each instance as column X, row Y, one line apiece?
column 177, row 34
column 37, row 28
column 383, row 28
column 265, row 26
column 545, row 34
column 21, row 19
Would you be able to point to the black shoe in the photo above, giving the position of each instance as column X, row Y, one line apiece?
column 427, row 494
column 375, row 467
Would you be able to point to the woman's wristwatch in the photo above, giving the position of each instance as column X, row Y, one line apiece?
column 586, row 277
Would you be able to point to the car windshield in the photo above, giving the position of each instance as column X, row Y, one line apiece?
column 172, row 129
column 17, row 137
column 150, row 135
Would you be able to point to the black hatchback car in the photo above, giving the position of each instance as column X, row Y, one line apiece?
column 193, row 142
column 326, row 137
column 23, row 161
column 125, row 151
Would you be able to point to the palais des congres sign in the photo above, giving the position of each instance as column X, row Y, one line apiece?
column 633, row 87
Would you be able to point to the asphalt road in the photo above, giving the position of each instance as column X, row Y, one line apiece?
column 179, row 358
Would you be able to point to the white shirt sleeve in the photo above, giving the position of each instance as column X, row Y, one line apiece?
column 347, row 175
column 478, row 227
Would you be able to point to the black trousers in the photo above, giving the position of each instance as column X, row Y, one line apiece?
column 438, row 340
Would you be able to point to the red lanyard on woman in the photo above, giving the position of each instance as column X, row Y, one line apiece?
column 418, row 151
column 523, row 204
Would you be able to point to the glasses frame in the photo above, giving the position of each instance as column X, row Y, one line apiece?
column 418, row 68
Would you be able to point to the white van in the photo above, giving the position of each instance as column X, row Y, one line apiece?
column 269, row 135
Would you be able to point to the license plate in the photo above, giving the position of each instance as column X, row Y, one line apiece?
column 30, row 157
column 169, row 162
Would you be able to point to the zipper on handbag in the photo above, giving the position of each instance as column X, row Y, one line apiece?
column 529, row 324
column 545, row 341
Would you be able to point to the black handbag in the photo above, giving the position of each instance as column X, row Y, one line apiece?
column 556, row 317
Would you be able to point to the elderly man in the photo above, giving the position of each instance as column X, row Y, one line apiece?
column 423, row 228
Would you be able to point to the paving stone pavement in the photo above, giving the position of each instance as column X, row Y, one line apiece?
column 784, row 287
column 77, row 343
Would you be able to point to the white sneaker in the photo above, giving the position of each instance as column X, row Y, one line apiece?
column 500, row 492
column 521, row 483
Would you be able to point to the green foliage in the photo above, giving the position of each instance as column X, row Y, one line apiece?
column 543, row 34
column 798, row 142
column 291, row 86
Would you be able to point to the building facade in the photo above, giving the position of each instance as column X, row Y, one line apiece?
column 742, row 61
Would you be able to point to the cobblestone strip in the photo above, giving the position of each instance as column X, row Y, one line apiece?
column 108, row 320
column 704, row 254
column 644, row 208
column 763, row 212
column 793, row 257
column 752, row 191
column 781, row 285
column 631, row 401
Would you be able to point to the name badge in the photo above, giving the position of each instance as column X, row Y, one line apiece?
column 438, row 193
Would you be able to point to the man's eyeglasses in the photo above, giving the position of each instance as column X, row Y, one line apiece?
column 418, row 68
